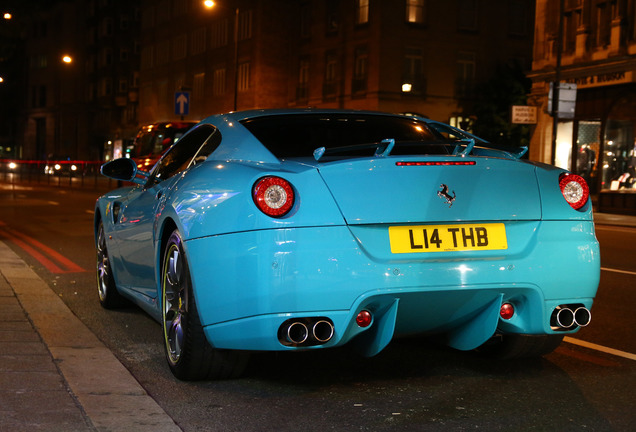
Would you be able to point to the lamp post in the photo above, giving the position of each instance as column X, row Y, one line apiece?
column 209, row 4
column 557, row 83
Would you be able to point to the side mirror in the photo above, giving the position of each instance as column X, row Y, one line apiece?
column 124, row 169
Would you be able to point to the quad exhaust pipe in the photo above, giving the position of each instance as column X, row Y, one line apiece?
column 568, row 317
column 306, row 331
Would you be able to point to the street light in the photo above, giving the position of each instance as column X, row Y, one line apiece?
column 210, row 4
column 7, row 16
column 67, row 59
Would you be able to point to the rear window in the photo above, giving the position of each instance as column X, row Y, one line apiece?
column 299, row 135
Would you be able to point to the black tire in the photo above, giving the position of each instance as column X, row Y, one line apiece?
column 515, row 346
column 188, row 352
column 109, row 297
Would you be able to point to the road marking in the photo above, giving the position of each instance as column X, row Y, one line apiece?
column 601, row 348
column 40, row 251
column 618, row 271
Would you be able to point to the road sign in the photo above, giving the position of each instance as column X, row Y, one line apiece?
column 182, row 103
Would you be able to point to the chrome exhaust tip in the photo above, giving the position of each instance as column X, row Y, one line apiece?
column 322, row 331
column 565, row 318
column 297, row 332
column 582, row 316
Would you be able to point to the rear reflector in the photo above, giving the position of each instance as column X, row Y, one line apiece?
column 364, row 318
column 507, row 311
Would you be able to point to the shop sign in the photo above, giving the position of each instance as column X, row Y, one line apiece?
column 523, row 114
column 603, row 79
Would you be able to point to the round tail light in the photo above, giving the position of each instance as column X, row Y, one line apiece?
column 574, row 190
column 274, row 196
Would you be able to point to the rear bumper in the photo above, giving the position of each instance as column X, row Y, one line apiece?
column 248, row 284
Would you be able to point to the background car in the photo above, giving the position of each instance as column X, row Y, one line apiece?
column 62, row 166
column 154, row 139
column 311, row 229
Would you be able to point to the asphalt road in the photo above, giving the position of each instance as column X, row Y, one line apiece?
column 412, row 385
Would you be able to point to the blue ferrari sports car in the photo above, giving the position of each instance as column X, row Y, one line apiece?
column 282, row 230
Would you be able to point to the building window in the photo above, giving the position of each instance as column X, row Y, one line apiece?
column 413, row 73
column 163, row 52
column 603, row 24
column 245, row 25
column 332, row 18
column 362, row 12
column 180, row 47
column 243, row 83
column 465, row 79
column 218, row 82
column 360, row 70
column 107, row 57
column 467, row 15
column 219, row 33
column 124, row 22
column 147, row 57
column 571, row 24
column 415, row 11
column 122, row 87
column 124, row 54
column 107, row 27
column 302, row 90
column 105, row 87
column 197, row 45
column 198, row 86
column 38, row 96
column 329, row 87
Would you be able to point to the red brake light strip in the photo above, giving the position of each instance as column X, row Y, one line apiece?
column 422, row 163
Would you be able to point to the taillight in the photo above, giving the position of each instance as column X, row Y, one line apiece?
column 274, row 196
column 574, row 190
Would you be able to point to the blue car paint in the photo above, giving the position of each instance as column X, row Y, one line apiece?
column 317, row 271
column 330, row 256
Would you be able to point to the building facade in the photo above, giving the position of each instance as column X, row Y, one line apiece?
column 596, row 137
column 417, row 56
column 81, row 66
column 132, row 59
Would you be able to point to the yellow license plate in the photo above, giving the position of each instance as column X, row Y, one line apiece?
column 447, row 238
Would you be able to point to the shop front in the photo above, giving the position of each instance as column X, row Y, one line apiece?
column 599, row 143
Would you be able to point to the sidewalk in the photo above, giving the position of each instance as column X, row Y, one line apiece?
column 55, row 375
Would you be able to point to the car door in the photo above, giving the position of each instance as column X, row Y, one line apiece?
column 136, row 227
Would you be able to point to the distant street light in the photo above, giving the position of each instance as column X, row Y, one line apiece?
column 67, row 59
column 208, row 3
column 7, row 16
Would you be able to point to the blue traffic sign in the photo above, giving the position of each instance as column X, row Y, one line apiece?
column 182, row 103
